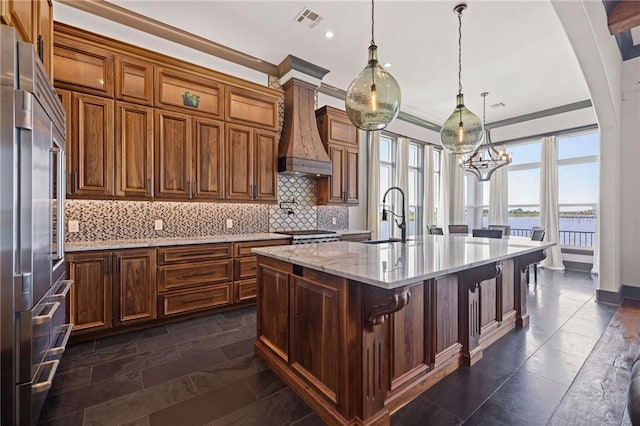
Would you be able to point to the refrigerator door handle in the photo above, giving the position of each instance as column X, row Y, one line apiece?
column 46, row 385
column 60, row 191
column 43, row 319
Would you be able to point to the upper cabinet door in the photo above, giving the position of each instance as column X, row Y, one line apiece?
column 172, row 155
column 82, row 67
column 183, row 91
column 44, row 35
column 248, row 107
column 208, row 158
column 134, row 150
column 351, row 175
column 134, row 80
column 239, row 162
column 92, row 146
column 21, row 15
column 266, row 163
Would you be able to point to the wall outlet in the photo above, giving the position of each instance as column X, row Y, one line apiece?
column 334, row 221
column 229, row 223
column 74, row 226
column 157, row 225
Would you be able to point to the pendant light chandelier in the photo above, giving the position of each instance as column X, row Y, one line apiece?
column 462, row 132
column 486, row 159
column 373, row 98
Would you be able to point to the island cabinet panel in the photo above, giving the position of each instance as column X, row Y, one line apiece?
column 273, row 308
column 82, row 67
column 134, row 151
column 183, row 91
column 253, row 108
column 410, row 351
column 134, row 80
column 172, row 155
column 508, row 299
column 245, row 267
column 446, row 339
column 90, row 301
column 135, row 286
column 316, row 333
column 488, row 308
column 92, row 147
column 208, row 158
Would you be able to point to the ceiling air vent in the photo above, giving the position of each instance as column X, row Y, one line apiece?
column 309, row 17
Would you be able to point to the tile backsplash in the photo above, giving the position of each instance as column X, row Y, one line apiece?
column 107, row 219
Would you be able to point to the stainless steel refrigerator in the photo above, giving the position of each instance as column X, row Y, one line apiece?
column 33, row 289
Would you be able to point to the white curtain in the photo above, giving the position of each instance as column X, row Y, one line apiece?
column 428, row 200
column 549, row 202
column 596, row 246
column 402, row 181
column 498, row 197
column 451, row 192
column 373, row 182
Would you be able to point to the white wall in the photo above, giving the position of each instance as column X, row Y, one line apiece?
column 585, row 23
column 630, row 174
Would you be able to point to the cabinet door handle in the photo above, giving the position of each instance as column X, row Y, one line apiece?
column 74, row 182
column 108, row 265
column 189, row 187
column 117, row 264
column 344, row 196
column 195, row 188
column 255, row 192
column 149, row 187
column 41, row 48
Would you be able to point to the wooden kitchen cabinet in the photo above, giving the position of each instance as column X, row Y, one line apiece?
column 251, row 108
column 133, row 151
column 33, row 22
column 82, row 67
column 183, row 91
column 189, row 156
column 245, row 266
column 340, row 139
column 196, row 277
column 133, row 80
column 91, row 148
column 251, row 164
column 90, row 301
column 134, row 283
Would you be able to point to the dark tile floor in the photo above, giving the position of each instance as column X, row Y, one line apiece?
column 204, row 372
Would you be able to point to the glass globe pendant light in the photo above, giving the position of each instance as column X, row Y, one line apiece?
column 462, row 131
column 373, row 98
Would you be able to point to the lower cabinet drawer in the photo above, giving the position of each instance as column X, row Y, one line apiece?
column 197, row 299
column 246, row 267
column 245, row 290
column 173, row 277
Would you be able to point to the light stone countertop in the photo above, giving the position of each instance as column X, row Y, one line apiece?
column 393, row 265
column 160, row 242
column 178, row 241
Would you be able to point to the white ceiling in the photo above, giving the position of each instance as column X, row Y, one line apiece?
column 515, row 50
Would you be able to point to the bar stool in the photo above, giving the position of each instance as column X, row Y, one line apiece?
column 458, row 229
column 537, row 234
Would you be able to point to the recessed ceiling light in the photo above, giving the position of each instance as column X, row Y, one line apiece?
column 328, row 34
column 387, row 65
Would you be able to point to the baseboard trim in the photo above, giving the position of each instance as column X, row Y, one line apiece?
column 630, row 292
column 615, row 297
column 610, row 297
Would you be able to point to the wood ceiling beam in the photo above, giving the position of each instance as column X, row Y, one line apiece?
column 624, row 16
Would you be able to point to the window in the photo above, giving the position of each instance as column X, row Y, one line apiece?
column 436, row 183
column 414, row 192
column 578, row 188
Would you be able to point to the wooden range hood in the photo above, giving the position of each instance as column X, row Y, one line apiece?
column 301, row 150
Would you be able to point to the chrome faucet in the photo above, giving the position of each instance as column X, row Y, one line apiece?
column 401, row 224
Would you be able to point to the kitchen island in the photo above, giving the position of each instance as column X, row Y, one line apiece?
column 359, row 330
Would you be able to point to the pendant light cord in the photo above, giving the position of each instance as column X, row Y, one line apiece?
column 484, row 108
column 373, row 43
column 460, row 51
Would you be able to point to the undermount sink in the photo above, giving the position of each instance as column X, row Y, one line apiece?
column 390, row 240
